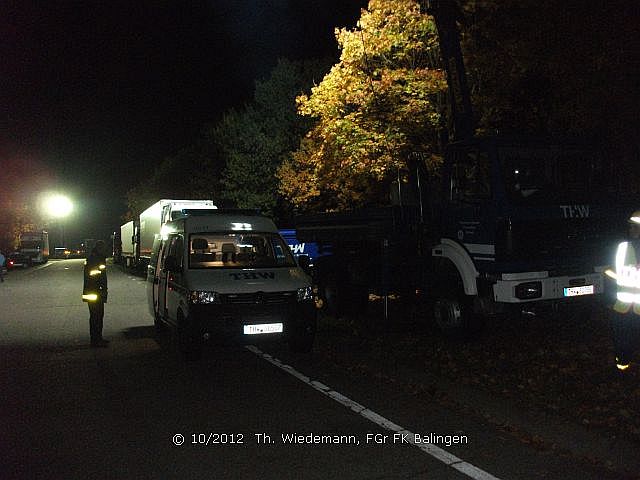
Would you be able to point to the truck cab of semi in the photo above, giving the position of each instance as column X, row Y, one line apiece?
column 229, row 274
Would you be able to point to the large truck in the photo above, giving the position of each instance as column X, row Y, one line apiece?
column 138, row 235
column 35, row 246
column 510, row 222
column 129, row 250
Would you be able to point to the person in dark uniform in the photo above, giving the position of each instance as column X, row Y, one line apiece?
column 95, row 291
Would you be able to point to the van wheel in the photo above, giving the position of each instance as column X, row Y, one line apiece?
column 159, row 326
column 302, row 336
column 329, row 292
column 302, row 344
column 189, row 344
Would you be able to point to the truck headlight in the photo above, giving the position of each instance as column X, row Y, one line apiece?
column 529, row 290
column 305, row 294
column 204, row 297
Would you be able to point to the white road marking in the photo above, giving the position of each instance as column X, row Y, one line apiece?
column 434, row 451
column 40, row 267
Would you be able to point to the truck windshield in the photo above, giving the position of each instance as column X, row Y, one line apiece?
column 551, row 175
column 26, row 244
column 238, row 250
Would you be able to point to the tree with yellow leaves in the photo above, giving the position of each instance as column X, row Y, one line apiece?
column 379, row 103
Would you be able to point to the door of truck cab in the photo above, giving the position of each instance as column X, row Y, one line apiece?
column 470, row 219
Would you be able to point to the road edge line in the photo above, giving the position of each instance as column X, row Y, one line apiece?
column 434, row 451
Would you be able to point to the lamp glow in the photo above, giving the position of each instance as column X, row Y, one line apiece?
column 58, row 206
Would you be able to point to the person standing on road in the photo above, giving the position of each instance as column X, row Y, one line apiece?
column 95, row 291
column 626, row 319
column 2, row 261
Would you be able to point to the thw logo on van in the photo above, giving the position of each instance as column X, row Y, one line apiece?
column 253, row 275
column 575, row 211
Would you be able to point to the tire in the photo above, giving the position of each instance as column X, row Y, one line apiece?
column 189, row 344
column 340, row 298
column 302, row 341
column 159, row 326
column 450, row 315
column 301, row 344
column 330, row 294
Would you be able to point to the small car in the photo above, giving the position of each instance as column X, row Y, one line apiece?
column 17, row 260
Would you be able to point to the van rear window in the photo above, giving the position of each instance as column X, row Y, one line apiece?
column 238, row 250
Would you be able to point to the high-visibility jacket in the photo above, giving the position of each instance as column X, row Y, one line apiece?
column 627, row 278
column 95, row 279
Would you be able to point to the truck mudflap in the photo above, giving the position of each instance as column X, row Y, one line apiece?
column 539, row 286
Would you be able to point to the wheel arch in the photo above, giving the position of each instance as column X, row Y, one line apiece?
column 462, row 262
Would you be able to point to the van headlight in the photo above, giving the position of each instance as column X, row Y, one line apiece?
column 305, row 294
column 204, row 297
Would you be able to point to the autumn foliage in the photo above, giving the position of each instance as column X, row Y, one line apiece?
column 379, row 103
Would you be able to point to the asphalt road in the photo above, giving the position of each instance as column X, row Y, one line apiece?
column 137, row 410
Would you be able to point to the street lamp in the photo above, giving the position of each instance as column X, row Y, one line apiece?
column 58, row 206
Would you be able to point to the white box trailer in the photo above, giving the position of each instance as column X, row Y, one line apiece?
column 128, row 238
column 161, row 212
column 35, row 245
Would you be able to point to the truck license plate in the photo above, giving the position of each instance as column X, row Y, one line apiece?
column 576, row 291
column 262, row 328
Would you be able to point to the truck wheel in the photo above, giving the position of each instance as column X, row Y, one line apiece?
column 452, row 315
column 189, row 344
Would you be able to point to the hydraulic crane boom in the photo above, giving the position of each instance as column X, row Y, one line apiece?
column 446, row 14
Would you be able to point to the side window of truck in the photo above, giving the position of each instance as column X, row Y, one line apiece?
column 471, row 176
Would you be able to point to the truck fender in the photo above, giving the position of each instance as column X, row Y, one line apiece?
column 462, row 261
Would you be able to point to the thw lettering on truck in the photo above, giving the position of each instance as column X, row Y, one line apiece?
column 575, row 211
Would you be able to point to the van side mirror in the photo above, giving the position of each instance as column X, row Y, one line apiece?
column 304, row 262
column 171, row 264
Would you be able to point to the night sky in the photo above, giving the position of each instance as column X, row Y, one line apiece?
column 94, row 94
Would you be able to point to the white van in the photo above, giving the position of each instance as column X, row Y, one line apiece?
column 229, row 274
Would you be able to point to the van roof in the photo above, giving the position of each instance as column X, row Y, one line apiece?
column 216, row 222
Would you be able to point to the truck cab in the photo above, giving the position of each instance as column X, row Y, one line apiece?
column 231, row 275
column 506, row 222
column 537, row 220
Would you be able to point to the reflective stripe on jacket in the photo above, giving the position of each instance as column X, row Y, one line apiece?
column 627, row 279
column 95, row 280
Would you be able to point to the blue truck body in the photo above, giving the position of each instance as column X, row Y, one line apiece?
column 506, row 221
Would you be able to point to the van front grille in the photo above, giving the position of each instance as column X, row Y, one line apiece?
column 269, row 298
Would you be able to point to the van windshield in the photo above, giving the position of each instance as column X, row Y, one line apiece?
column 238, row 250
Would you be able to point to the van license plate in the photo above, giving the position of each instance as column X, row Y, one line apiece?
column 576, row 291
column 263, row 328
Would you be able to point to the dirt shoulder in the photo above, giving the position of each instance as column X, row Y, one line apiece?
column 549, row 380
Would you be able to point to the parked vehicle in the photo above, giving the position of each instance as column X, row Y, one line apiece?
column 137, row 236
column 35, row 245
column 229, row 274
column 129, row 235
column 17, row 260
column 299, row 248
column 509, row 221
column 61, row 252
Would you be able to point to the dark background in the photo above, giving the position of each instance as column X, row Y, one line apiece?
column 95, row 94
